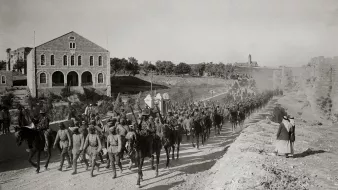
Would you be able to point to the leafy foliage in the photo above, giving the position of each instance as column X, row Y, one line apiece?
column 182, row 68
column 19, row 65
column 277, row 114
column 3, row 65
column 65, row 92
column 7, row 100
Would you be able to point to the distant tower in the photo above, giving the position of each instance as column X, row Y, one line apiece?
column 249, row 60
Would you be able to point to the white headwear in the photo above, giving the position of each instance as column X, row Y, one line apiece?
column 287, row 124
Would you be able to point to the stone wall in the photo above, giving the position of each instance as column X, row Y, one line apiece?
column 318, row 80
column 262, row 75
column 6, row 79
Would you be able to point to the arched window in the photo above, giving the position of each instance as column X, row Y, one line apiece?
column 52, row 60
column 79, row 61
column 100, row 78
column 91, row 60
column 72, row 60
column 3, row 79
column 42, row 59
column 65, row 60
column 43, row 78
column 100, row 60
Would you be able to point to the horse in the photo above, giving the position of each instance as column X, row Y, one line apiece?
column 37, row 140
column 196, row 131
column 207, row 126
column 217, row 120
column 233, row 119
column 172, row 137
column 140, row 146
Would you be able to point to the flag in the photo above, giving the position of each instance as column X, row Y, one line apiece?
column 138, row 100
column 117, row 102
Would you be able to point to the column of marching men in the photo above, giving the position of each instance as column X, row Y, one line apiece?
column 89, row 138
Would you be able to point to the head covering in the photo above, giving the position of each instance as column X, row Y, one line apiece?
column 145, row 112
column 62, row 125
column 111, row 129
column 285, row 117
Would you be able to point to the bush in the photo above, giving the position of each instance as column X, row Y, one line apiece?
column 65, row 92
column 7, row 100
column 277, row 114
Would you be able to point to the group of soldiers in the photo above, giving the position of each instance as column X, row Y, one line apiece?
column 5, row 120
column 90, row 135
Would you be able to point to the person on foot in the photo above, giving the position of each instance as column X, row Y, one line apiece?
column 283, row 146
column 63, row 137
column 43, row 126
column 114, row 144
column 292, row 134
column 78, row 144
column 93, row 146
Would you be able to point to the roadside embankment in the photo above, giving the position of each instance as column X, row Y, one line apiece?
column 248, row 164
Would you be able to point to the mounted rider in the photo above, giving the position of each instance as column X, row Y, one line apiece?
column 147, row 129
column 43, row 126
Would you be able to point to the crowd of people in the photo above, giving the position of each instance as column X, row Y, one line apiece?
column 107, row 140
column 5, row 120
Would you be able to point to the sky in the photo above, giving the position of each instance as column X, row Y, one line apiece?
column 274, row 32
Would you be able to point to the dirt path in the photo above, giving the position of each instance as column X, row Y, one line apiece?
column 19, row 175
column 249, row 165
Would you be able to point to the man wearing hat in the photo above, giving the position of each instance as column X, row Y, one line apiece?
column 147, row 129
column 93, row 146
column 122, row 130
column 78, row 144
column 43, row 126
column 114, row 148
column 63, row 137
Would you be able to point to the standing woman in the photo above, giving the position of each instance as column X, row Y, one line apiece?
column 283, row 146
column 114, row 144
column 93, row 146
column 292, row 135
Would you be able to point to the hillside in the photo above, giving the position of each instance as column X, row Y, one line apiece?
column 183, row 81
column 248, row 164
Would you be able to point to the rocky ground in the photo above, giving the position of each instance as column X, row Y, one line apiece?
column 248, row 165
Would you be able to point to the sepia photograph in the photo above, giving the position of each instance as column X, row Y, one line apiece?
column 169, row 94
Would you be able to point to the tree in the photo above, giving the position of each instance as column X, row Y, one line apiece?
column 19, row 65
column 169, row 67
column 147, row 66
column 132, row 66
column 182, row 68
column 160, row 65
column 115, row 65
column 3, row 65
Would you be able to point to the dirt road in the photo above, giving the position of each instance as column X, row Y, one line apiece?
column 19, row 175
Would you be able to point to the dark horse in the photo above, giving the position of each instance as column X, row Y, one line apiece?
column 217, row 120
column 37, row 140
column 141, row 150
column 172, row 137
column 197, row 131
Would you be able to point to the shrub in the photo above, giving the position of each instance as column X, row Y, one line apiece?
column 65, row 92
column 7, row 100
column 277, row 114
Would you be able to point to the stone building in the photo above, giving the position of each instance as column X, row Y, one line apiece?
column 250, row 63
column 19, row 54
column 69, row 60
column 6, row 80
